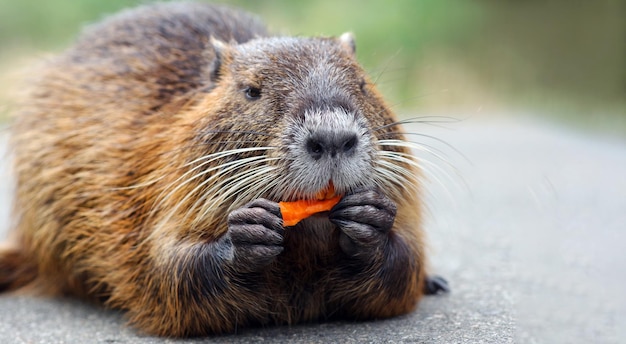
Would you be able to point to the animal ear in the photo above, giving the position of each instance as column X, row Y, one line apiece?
column 347, row 41
column 216, row 56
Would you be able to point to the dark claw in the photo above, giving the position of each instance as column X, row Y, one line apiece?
column 435, row 285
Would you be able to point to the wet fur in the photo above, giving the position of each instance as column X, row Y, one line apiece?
column 120, row 139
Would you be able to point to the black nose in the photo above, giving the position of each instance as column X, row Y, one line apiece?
column 331, row 144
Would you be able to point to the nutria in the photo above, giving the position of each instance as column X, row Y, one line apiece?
column 150, row 158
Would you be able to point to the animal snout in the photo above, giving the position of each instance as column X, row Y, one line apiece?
column 331, row 144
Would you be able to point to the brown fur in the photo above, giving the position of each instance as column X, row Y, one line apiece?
column 106, row 130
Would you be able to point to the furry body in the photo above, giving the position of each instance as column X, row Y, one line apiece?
column 150, row 158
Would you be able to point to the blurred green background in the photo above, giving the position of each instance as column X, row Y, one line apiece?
column 561, row 60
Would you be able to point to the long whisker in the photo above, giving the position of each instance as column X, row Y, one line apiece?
column 433, row 169
column 223, row 154
column 222, row 192
column 407, row 159
column 386, row 66
column 227, row 167
column 389, row 177
column 197, row 203
column 222, row 169
column 246, row 188
column 211, row 158
column 392, row 173
column 234, row 141
column 263, row 177
column 439, row 151
column 225, row 188
column 410, row 159
column 415, row 146
column 424, row 160
column 430, row 120
column 395, row 177
column 247, row 132
column 431, row 137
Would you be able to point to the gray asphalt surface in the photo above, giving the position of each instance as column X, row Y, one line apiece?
column 528, row 225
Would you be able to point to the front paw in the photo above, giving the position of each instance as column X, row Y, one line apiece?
column 364, row 218
column 256, row 233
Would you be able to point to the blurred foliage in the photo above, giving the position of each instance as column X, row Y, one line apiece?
column 564, row 58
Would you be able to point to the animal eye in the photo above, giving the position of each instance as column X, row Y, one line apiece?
column 252, row 93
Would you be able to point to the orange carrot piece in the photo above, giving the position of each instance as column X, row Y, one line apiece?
column 294, row 212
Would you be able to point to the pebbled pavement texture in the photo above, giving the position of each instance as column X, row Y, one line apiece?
column 527, row 222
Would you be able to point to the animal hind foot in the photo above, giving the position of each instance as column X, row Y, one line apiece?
column 436, row 285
